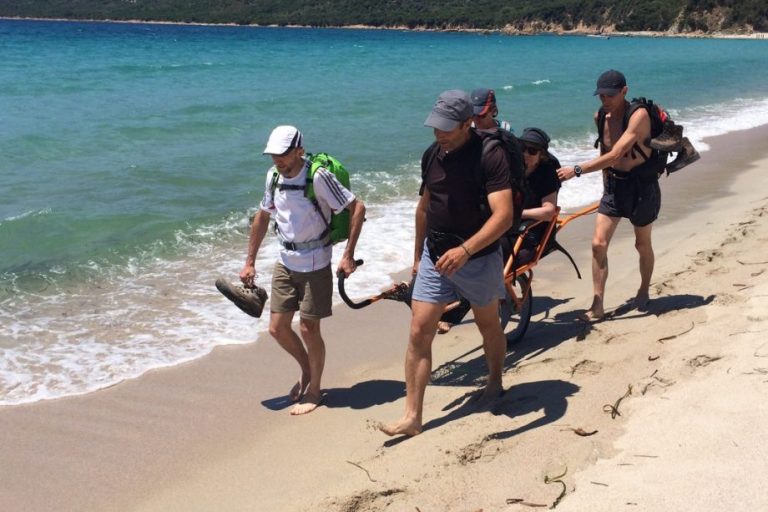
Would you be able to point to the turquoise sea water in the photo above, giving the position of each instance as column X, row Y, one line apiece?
column 130, row 159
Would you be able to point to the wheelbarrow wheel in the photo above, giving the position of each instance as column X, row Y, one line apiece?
column 516, row 318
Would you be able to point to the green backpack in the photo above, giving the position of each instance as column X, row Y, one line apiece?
column 337, row 230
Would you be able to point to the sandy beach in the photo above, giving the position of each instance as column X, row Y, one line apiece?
column 659, row 410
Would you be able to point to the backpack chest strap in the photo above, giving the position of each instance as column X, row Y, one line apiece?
column 312, row 244
column 282, row 187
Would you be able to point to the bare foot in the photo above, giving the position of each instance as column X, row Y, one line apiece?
column 641, row 300
column 403, row 427
column 443, row 327
column 298, row 389
column 486, row 398
column 308, row 404
column 592, row 316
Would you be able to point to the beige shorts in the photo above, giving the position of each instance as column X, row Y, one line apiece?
column 310, row 293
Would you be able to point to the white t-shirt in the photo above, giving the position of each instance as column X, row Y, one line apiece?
column 298, row 220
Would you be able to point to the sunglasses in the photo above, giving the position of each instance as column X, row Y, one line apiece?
column 531, row 150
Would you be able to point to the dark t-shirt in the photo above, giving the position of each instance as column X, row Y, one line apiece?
column 542, row 182
column 455, row 195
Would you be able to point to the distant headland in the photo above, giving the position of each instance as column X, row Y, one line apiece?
column 691, row 18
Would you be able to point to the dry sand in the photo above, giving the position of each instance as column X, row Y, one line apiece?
column 686, row 381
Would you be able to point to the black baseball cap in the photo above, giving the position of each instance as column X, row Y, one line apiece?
column 610, row 83
column 535, row 137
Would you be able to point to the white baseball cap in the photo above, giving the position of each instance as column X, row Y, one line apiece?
column 282, row 139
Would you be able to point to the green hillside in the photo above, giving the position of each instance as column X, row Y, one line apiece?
column 523, row 15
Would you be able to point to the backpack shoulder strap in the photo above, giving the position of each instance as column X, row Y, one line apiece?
column 315, row 162
column 600, row 122
column 490, row 142
column 511, row 147
column 273, row 182
column 431, row 154
column 635, row 105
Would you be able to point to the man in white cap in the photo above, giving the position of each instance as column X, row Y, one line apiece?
column 301, row 279
column 458, row 224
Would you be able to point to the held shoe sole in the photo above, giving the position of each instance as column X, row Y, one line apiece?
column 685, row 157
column 670, row 140
column 250, row 300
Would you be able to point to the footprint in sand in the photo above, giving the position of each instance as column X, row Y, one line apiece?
column 586, row 367
column 368, row 500
column 704, row 257
column 474, row 451
column 725, row 299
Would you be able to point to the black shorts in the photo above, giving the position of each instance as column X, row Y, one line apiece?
column 633, row 199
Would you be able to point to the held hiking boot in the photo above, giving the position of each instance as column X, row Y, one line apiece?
column 686, row 156
column 670, row 139
column 250, row 300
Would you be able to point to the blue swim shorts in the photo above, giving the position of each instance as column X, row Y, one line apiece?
column 480, row 281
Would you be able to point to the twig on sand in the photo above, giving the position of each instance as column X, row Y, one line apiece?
column 366, row 471
column 521, row 501
column 752, row 262
column 614, row 409
column 580, row 431
column 664, row 382
column 557, row 479
column 746, row 332
column 667, row 338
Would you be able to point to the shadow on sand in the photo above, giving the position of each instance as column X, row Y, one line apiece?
column 360, row 396
column 546, row 333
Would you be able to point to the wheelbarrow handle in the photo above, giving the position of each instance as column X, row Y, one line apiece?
column 349, row 302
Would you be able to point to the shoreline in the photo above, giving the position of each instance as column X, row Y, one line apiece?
column 215, row 434
column 583, row 31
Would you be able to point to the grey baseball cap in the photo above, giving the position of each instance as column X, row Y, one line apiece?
column 451, row 109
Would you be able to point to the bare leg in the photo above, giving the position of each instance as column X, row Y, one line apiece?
column 494, row 346
column 605, row 227
column 310, row 333
column 280, row 329
column 418, row 366
column 647, row 259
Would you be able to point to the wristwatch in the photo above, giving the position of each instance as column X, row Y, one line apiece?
column 577, row 170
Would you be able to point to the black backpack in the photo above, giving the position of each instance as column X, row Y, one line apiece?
column 658, row 116
column 510, row 144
